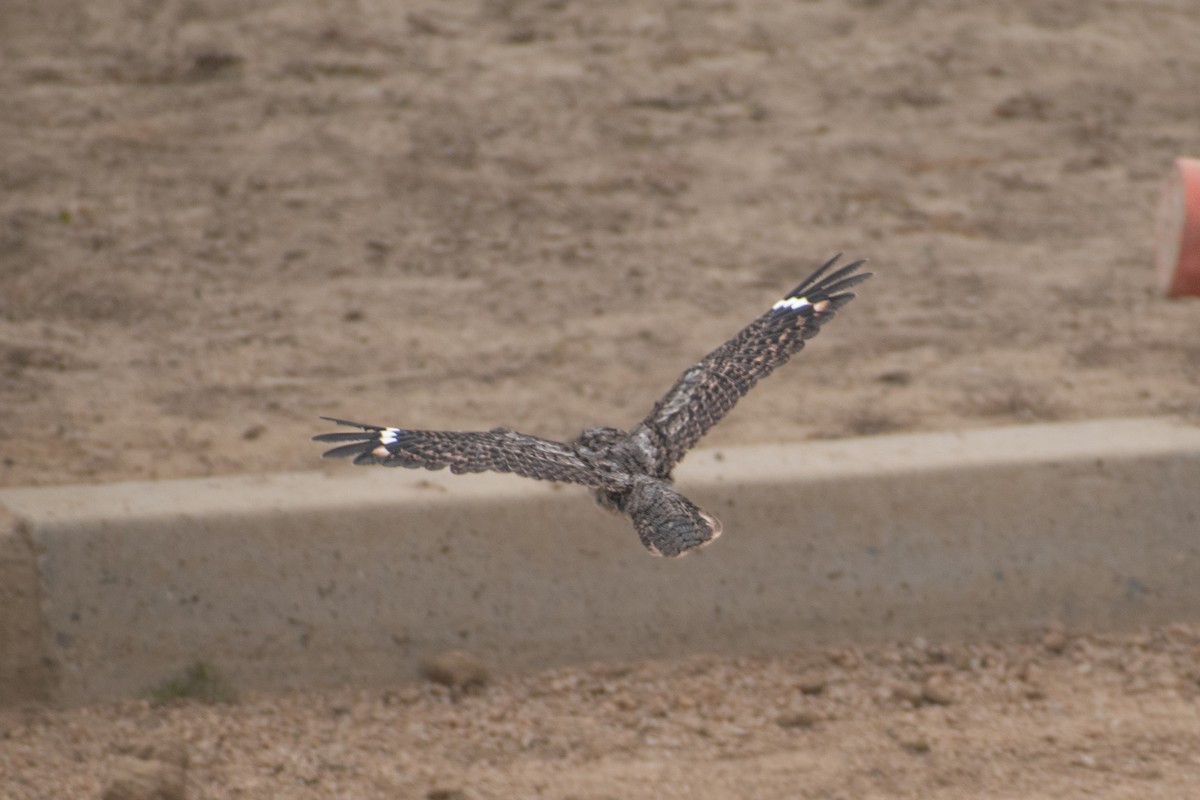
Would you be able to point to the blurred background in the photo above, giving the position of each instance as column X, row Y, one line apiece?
column 221, row 219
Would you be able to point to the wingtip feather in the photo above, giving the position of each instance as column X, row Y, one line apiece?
column 820, row 286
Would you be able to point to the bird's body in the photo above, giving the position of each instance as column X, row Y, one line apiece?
column 629, row 471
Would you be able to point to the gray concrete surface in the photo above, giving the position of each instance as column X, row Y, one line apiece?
column 355, row 574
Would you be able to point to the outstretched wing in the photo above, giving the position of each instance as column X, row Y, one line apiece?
column 707, row 391
column 497, row 450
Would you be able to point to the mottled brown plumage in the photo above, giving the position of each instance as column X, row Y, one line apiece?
column 629, row 471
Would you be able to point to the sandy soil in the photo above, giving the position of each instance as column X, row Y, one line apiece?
column 221, row 219
column 1066, row 717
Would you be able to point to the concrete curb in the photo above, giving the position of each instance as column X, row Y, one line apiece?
column 322, row 579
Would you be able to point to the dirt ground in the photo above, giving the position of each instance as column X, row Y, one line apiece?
column 1063, row 717
column 220, row 219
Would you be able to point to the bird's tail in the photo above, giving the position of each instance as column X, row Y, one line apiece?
column 667, row 522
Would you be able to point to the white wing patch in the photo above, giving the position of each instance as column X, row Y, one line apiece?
column 387, row 436
column 795, row 303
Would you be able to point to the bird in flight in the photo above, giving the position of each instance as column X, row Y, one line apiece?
column 629, row 471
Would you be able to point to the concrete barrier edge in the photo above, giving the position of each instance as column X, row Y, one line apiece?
column 353, row 575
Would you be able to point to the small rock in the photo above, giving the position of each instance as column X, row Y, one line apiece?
column 457, row 669
column 442, row 793
column 170, row 751
column 848, row 659
column 404, row 696
column 253, row 432
column 803, row 719
column 896, row 377
column 908, row 692
column 916, row 744
column 1055, row 640
column 812, row 682
column 911, row 739
column 141, row 779
column 1022, row 106
column 211, row 61
column 625, row 702
column 683, row 702
column 937, row 692
column 1031, row 675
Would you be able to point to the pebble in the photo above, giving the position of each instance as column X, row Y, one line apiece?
column 802, row 719
column 1055, row 640
column 168, row 751
column 912, row 740
column 908, row 692
column 254, row 432
column 915, row 744
column 145, row 779
column 407, row 695
column 457, row 669
column 937, row 692
column 811, row 682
